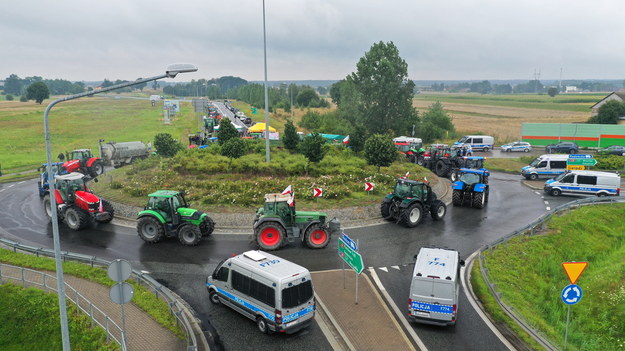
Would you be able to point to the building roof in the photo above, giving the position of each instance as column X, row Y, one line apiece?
column 621, row 96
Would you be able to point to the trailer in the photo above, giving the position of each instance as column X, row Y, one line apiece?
column 119, row 154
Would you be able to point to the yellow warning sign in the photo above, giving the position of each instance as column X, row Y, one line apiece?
column 574, row 270
column 575, row 168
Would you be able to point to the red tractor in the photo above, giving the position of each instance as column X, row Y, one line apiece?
column 76, row 205
column 83, row 161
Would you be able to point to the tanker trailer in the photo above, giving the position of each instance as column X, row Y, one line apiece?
column 119, row 154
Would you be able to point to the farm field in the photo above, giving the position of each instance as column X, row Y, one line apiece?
column 503, row 115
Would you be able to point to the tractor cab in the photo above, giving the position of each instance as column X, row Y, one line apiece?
column 409, row 189
column 473, row 176
column 81, row 154
column 68, row 184
column 471, row 186
column 474, row 162
column 277, row 205
column 167, row 203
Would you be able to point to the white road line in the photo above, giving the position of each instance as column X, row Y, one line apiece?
column 548, row 208
column 1, row 190
column 398, row 314
column 21, row 182
column 546, row 203
column 537, row 193
column 383, row 269
column 396, row 267
column 477, row 308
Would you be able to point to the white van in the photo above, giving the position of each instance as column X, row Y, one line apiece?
column 435, row 287
column 545, row 166
column 272, row 291
column 480, row 142
column 585, row 183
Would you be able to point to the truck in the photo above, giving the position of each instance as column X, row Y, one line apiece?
column 119, row 154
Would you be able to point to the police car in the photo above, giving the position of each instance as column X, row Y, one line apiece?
column 517, row 146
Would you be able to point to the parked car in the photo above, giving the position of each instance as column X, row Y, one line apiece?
column 613, row 150
column 566, row 147
column 517, row 146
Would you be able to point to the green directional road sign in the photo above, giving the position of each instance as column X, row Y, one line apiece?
column 581, row 162
column 351, row 257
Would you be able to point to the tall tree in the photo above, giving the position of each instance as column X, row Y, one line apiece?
column 38, row 92
column 13, row 85
column 381, row 78
column 291, row 139
column 380, row 151
column 313, row 147
column 227, row 130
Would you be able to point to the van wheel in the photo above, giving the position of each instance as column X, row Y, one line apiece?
column 526, row 150
column 602, row 194
column 556, row 192
column 533, row 176
column 261, row 323
column 486, row 149
column 214, row 297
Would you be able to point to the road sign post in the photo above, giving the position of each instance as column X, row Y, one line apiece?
column 348, row 251
column 572, row 294
column 121, row 293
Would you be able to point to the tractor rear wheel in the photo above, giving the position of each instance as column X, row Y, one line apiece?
column 411, row 216
column 420, row 161
column 316, row 237
column 76, row 218
column 96, row 169
column 389, row 210
column 438, row 210
column 47, row 205
column 207, row 226
column 456, row 198
column 107, row 207
column 270, row 236
column 479, row 200
column 441, row 169
column 189, row 234
column 150, row 229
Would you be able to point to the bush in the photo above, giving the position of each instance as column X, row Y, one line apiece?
column 166, row 145
column 610, row 162
column 9, row 97
column 23, row 98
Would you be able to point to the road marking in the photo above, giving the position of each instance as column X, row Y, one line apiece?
column 383, row 269
column 548, row 208
column 476, row 307
column 395, row 309
column 546, row 202
column 396, row 267
column 537, row 193
column 21, row 182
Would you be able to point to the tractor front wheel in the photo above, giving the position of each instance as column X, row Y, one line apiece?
column 438, row 210
column 412, row 216
column 189, row 234
column 207, row 226
column 442, row 169
column 479, row 200
column 270, row 236
column 107, row 207
column 150, row 229
column 96, row 169
column 47, row 205
column 76, row 218
column 316, row 237
column 389, row 210
column 456, row 198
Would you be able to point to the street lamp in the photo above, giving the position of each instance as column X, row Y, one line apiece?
column 267, row 156
column 171, row 72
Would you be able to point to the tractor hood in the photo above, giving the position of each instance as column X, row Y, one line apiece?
column 190, row 213
column 311, row 214
column 86, row 197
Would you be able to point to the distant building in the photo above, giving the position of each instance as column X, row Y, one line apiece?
column 618, row 96
column 571, row 89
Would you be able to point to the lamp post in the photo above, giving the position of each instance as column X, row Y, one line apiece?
column 267, row 156
column 171, row 72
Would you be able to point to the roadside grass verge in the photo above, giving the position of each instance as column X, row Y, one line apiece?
column 213, row 184
column 530, row 278
column 30, row 321
column 143, row 298
column 508, row 165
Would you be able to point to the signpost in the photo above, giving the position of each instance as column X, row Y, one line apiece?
column 121, row 293
column 579, row 162
column 572, row 294
column 317, row 192
column 348, row 251
column 369, row 186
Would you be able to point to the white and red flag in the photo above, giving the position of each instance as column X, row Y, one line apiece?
column 288, row 190
column 346, row 140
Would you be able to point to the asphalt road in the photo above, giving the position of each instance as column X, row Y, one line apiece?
column 184, row 269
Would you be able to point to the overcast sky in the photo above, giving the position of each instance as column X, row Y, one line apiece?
column 312, row 39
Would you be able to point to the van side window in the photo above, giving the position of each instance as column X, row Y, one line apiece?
column 478, row 140
column 558, row 164
column 588, row 180
column 297, row 295
column 222, row 274
column 263, row 293
column 543, row 164
column 568, row 178
column 240, row 282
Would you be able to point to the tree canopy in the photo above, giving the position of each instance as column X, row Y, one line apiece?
column 609, row 113
column 380, row 151
column 38, row 92
column 313, row 147
column 291, row 139
column 166, row 145
column 227, row 131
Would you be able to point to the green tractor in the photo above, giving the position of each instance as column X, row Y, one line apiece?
column 167, row 214
column 409, row 201
column 277, row 223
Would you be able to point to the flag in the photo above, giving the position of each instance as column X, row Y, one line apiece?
column 425, row 179
column 291, row 200
column 407, row 174
column 288, row 190
column 346, row 140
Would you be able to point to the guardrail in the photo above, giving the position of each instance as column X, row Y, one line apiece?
column 29, row 277
column 180, row 311
column 530, row 230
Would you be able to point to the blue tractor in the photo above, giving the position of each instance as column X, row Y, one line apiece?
column 42, row 184
column 472, row 187
column 473, row 162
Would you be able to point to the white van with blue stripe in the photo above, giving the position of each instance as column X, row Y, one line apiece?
column 549, row 166
column 272, row 291
column 435, row 287
column 584, row 183
column 475, row 142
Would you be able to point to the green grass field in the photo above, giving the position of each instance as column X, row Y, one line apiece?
column 562, row 102
column 529, row 275
column 80, row 124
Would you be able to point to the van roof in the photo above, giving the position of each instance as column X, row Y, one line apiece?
column 554, row 156
column 436, row 263
column 270, row 265
column 595, row 173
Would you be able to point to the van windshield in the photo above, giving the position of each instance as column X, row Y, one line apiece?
column 463, row 139
column 535, row 162
column 561, row 175
column 297, row 295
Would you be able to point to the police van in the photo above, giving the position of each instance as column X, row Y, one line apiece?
column 435, row 287
column 545, row 166
column 272, row 291
column 584, row 183
column 480, row 142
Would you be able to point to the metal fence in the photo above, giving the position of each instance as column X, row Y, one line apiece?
column 531, row 229
column 184, row 317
